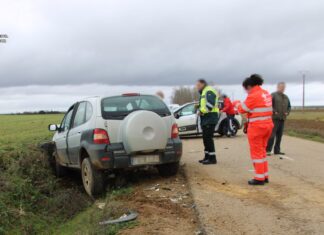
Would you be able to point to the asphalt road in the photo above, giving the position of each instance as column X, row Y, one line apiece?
column 292, row 203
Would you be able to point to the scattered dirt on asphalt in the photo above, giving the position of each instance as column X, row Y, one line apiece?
column 292, row 203
column 165, row 206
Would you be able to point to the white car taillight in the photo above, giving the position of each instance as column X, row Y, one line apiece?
column 100, row 136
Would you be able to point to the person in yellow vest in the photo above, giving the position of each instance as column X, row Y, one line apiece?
column 209, row 114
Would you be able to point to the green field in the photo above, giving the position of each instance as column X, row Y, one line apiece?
column 308, row 124
column 32, row 199
column 316, row 115
column 18, row 132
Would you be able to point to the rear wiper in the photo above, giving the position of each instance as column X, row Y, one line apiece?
column 163, row 114
column 118, row 116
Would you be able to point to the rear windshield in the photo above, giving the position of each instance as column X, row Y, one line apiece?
column 118, row 107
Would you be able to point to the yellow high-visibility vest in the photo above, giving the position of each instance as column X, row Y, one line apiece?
column 203, row 103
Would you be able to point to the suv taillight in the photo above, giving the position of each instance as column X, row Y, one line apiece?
column 100, row 136
column 174, row 131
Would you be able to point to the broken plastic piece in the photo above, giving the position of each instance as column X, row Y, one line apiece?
column 124, row 218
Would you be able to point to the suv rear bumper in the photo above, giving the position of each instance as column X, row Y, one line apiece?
column 114, row 156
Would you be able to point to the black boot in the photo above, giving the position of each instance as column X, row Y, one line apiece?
column 205, row 158
column 255, row 182
column 279, row 153
column 210, row 160
column 266, row 180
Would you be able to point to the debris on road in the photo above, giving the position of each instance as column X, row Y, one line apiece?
column 154, row 188
column 101, row 205
column 199, row 232
column 166, row 188
column 224, row 182
column 175, row 200
column 124, row 218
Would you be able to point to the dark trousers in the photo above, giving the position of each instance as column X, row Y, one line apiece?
column 276, row 135
column 208, row 139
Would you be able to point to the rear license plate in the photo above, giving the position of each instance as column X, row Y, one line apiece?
column 145, row 159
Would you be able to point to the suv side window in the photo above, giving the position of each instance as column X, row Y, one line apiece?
column 79, row 118
column 66, row 121
column 188, row 110
column 89, row 111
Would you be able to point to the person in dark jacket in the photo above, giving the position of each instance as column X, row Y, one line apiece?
column 208, row 111
column 228, row 109
column 281, row 109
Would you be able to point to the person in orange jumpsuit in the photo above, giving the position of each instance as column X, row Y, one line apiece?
column 258, row 108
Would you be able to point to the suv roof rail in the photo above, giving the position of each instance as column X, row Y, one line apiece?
column 89, row 97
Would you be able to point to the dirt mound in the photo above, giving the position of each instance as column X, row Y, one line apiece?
column 165, row 206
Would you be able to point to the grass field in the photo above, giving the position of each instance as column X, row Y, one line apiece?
column 20, row 131
column 315, row 115
column 308, row 124
column 32, row 199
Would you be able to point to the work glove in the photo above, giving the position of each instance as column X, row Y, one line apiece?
column 245, row 129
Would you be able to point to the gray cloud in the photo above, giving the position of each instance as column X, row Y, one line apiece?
column 163, row 42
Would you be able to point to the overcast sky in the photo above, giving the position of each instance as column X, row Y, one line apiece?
column 159, row 42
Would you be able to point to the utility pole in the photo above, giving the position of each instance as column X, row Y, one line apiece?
column 304, row 78
column 303, row 73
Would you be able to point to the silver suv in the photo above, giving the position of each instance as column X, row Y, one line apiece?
column 107, row 134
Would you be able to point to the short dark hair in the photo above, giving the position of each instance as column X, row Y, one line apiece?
column 202, row 81
column 224, row 96
column 253, row 80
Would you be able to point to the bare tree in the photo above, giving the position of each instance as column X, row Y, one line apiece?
column 182, row 95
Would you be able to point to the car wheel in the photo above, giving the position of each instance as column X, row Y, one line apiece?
column 222, row 130
column 59, row 170
column 168, row 169
column 92, row 179
column 235, row 127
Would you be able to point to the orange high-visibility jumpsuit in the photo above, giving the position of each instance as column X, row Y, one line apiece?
column 258, row 107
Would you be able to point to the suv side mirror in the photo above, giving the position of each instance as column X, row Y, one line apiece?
column 53, row 127
column 177, row 115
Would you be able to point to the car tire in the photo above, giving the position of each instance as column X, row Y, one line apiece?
column 222, row 128
column 93, row 180
column 168, row 169
column 59, row 170
column 236, row 127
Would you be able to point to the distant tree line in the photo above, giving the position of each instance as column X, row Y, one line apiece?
column 38, row 112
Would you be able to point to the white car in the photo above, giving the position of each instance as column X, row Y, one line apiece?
column 107, row 134
column 189, row 122
column 173, row 107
